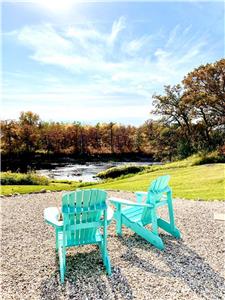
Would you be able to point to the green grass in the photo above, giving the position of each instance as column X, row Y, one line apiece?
column 189, row 180
column 205, row 182
column 24, row 189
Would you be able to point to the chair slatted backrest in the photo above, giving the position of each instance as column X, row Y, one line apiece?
column 155, row 192
column 82, row 211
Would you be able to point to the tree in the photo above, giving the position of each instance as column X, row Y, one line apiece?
column 205, row 86
column 29, row 131
column 10, row 140
column 205, row 93
column 111, row 124
column 29, row 118
column 195, row 113
column 174, row 111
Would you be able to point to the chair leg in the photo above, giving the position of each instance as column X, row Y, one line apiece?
column 170, row 210
column 105, row 257
column 154, row 221
column 170, row 227
column 108, row 265
column 62, row 263
column 167, row 227
column 151, row 237
column 118, row 217
column 146, row 234
column 119, row 225
column 56, row 240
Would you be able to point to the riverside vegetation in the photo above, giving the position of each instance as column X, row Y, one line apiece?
column 187, row 179
column 190, row 120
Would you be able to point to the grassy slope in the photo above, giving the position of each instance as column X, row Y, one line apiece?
column 188, row 181
column 193, row 182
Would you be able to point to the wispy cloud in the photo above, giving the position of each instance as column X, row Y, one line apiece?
column 117, row 27
column 106, row 66
column 134, row 46
column 87, row 49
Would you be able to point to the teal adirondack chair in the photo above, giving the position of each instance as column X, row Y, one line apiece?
column 136, row 215
column 84, row 213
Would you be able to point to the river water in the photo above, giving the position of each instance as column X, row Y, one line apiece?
column 82, row 172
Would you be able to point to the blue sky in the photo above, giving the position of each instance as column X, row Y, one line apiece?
column 100, row 62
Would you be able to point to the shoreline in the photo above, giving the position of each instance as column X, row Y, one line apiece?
column 36, row 161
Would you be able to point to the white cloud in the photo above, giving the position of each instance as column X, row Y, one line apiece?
column 173, row 36
column 134, row 45
column 105, row 67
column 88, row 50
column 44, row 38
column 117, row 27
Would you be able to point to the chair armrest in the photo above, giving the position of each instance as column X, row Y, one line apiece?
column 141, row 193
column 51, row 215
column 140, row 196
column 128, row 202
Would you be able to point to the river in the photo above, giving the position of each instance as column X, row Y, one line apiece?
column 82, row 172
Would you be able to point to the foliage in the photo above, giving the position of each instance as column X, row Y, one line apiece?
column 205, row 182
column 8, row 178
column 191, row 119
column 37, row 136
column 193, row 160
column 210, row 158
column 192, row 115
column 118, row 171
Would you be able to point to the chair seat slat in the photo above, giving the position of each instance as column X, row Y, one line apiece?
column 79, row 226
column 74, row 210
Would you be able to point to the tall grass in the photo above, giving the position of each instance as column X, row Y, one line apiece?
column 9, row 178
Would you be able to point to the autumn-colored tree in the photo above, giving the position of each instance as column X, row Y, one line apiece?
column 205, row 93
column 29, row 123
column 144, row 137
column 205, row 87
column 190, row 118
column 10, row 139
column 71, row 137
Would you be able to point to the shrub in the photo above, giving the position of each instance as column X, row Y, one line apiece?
column 119, row 171
column 210, row 158
column 84, row 184
column 9, row 178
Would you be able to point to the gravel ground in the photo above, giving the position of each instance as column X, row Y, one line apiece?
column 190, row 268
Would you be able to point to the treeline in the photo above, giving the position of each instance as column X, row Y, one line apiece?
column 30, row 134
column 190, row 119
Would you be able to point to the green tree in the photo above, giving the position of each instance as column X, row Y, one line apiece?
column 174, row 111
column 205, row 93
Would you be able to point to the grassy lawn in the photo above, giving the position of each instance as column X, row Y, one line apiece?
column 24, row 189
column 195, row 182
column 205, row 182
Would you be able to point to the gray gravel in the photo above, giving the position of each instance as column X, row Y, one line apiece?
column 191, row 268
